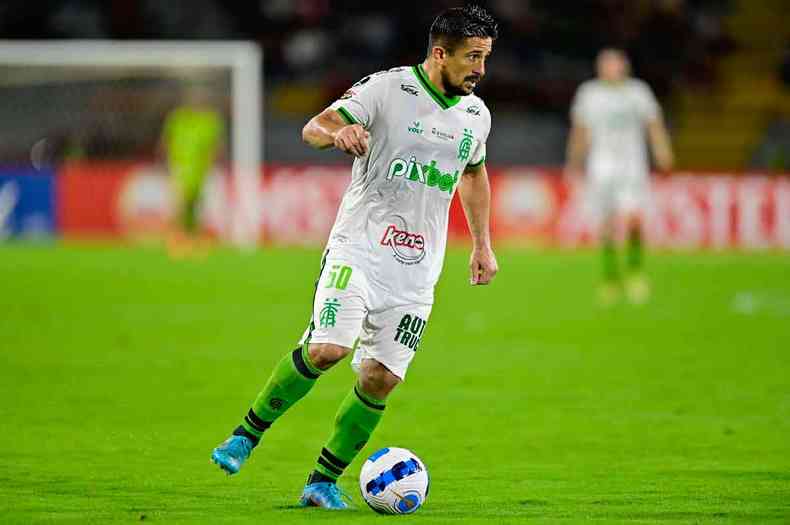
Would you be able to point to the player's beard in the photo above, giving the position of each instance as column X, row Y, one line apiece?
column 452, row 90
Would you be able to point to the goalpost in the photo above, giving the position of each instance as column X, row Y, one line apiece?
column 31, row 63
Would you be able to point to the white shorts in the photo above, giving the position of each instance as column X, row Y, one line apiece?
column 349, row 312
column 612, row 196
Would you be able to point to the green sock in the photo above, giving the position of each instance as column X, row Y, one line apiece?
column 189, row 218
column 610, row 271
column 635, row 249
column 356, row 420
column 291, row 379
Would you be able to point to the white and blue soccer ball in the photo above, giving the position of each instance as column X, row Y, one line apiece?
column 394, row 481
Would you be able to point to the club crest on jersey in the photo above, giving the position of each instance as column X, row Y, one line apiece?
column 427, row 174
column 328, row 315
column 473, row 110
column 407, row 247
column 465, row 147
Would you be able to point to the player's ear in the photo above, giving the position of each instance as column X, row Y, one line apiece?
column 438, row 53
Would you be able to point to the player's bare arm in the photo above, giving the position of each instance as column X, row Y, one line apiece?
column 576, row 150
column 475, row 193
column 660, row 144
column 328, row 129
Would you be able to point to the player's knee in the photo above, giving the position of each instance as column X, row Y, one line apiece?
column 324, row 355
column 607, row 227
column 376, row 379
column 633, row 221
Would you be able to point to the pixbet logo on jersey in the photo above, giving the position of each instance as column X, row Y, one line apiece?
column 427, row 174
column 407, row 247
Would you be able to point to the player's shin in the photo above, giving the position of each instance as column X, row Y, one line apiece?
column 356, row 419
column 635, row 249
column 611, row 272
column 637, row 287
column 290, row 381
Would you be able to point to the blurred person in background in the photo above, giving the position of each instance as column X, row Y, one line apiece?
column 610, row 117
column 418, row 134
column 193, row 138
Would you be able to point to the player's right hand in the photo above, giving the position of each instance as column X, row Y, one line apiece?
column 352, row 139
column 664, row 161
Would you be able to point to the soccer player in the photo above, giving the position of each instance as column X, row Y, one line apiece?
column 610, row 116
column 193, row 137
column 418, row 133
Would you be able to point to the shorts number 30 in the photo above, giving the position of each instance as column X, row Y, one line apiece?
column 339, row 277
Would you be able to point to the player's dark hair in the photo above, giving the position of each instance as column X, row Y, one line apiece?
column 454, row 25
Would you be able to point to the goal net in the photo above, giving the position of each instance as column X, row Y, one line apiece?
column 105, row 103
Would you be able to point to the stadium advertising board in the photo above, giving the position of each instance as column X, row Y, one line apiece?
column 686, row 210
column 125, row 199
column 299, row 202
column 27, row 203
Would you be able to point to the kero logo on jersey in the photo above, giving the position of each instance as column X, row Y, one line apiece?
column 420, row 173
column 407, row 247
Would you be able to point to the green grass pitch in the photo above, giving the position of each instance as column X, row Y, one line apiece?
column 120, row 370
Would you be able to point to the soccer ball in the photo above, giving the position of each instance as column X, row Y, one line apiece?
column 394, row 481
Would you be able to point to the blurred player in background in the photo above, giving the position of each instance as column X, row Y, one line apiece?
column 193, row 138
column 418, row 133
column 610, row 117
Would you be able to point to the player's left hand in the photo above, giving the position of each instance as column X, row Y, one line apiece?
column 482, row 266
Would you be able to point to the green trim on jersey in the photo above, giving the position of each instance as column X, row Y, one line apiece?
column 476, row 164
column 348, row 117
column 438, row 96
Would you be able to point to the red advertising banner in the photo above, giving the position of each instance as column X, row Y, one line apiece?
column 87, row 198
column 298, row 205
column 684, row 210
column 127, row 199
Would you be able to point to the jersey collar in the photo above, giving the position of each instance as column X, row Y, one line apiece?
column 443, row 101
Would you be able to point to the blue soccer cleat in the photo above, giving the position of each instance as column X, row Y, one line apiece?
column 324, row 494
column 232, row 453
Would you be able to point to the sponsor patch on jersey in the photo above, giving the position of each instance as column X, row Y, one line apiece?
column 364, row 80
column 408, row 88
column 420, row 173
column 445, row 135
column 416, row 128
column 409, row 331
column 473, row 110
column 407, row 247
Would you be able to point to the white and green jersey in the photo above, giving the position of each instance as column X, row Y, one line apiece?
column 394, row 213
column 616, row 116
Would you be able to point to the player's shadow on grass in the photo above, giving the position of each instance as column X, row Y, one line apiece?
column 310, row 509
column 533, row 502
